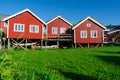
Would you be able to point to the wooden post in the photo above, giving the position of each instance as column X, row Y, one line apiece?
column 102, row 45
column 45, row 43
column 26, row 43
column 75, row 45
column 58, row 43
column 72, row 45
column 41, row 43
column 8, row 43
column 88, row 45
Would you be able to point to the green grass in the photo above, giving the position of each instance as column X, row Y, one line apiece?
column 102, row 63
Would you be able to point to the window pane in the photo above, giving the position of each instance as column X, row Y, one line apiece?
column 62, row 30
column 16, row 27
column 19, row 27
column 83, row 34
column 34, row 28
column 93, row 34
column 54, row 30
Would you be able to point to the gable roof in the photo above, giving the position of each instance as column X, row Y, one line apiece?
column 23, row 12
column 113, row 28
column 2, row 16
column 91, row 20
column 60, row 18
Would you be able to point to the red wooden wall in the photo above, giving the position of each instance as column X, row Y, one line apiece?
column 83, row 26
column 57, row 23
column 27, row 19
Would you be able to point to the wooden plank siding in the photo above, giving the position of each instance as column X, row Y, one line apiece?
column 83, row 26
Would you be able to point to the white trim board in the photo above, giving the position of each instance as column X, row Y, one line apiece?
column 113, row 31
column 60, row 18
column 87, row 19
column 23, row 12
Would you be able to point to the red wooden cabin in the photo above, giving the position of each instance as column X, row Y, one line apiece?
column 23, row 25
column 58, row 29
column 88, row 31
column 114, row 33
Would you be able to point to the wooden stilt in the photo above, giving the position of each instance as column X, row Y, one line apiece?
column 45, row 42
column 75, row 45
column 58, row 43
column 26, row 43
column 102, row 45
column 8, row 43
column 72, row 45
column 41, row 43
column 0, row 44
column 88, row 45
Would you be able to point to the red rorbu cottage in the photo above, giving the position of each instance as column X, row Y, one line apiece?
column 114, row 33
column 23, row 27
column 88, row 32
column 58, row 31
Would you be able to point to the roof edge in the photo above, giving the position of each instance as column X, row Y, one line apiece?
column 60, row 18
column 23, row 12
column 90, row 19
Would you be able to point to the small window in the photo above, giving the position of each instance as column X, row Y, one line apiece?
column 83, row 33
column 54, row 30
column 62, row 30
column 88, row 25
column 6, row 24
column 34, row 28
column 94, row 34
column 19, row 27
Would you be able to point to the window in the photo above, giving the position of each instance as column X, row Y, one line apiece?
column 54, row 30
column 94, row 34
column 62, row 30
column 88, row 25
column 83, row 33
column 34, row 28
column 19, row 27
column 6, row 24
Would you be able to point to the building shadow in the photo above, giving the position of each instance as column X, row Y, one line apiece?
column 109, row 52
column 110, row 59
column 74, row 76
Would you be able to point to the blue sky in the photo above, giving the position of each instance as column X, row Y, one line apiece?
column 105, row 11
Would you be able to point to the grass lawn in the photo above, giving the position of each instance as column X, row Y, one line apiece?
column 102, row 63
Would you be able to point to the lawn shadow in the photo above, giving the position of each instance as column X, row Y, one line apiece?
column 110, row 59
column 74, row 76
column 109, row 52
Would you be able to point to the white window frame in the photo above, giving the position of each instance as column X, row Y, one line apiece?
column 19, row 27
column 92, row 34
column 82, row 32
column 35, row 30
column 56, row 30
column 88, row 25
column 63, row 30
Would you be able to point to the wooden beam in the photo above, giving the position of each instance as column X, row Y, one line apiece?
column 97, row 45
column 80, row 45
